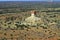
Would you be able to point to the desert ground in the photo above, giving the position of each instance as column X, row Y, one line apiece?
column 47, row 30
column 12, row 14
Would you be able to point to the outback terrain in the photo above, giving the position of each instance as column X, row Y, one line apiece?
column 11, row 18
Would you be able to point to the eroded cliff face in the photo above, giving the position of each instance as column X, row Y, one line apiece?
column 33, row 20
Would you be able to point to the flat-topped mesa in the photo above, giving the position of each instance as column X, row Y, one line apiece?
column 32, row 20
column 33, row 13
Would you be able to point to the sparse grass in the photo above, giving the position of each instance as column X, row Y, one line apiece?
column 44, row 30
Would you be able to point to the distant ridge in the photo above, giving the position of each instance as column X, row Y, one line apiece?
column 19, row 4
